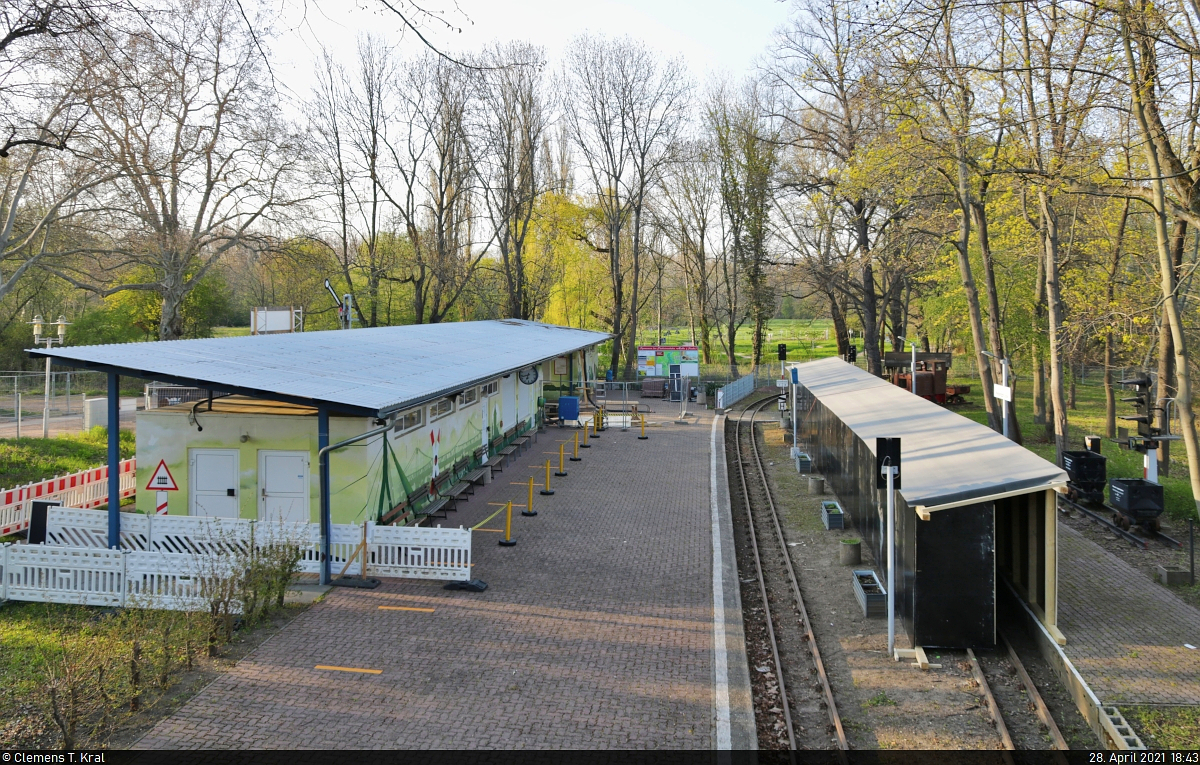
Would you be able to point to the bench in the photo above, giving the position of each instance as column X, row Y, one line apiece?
column 442, row 502
column 503, row 455
column 464, row 486
column 402, row 514
column 477, row 475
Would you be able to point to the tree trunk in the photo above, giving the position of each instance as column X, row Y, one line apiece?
column 870, row 302
column 614, row 268
column 635, row 277
column 972, row 294
column 1166, row 357
column 1039, row 365
column 870, row 319
column 731, row 336
column 1114, row 265
column 170, row 325
column 1143, row 87
column 839, row 323
column 1071, row 397
column 1054, row 313
column 1110, row 399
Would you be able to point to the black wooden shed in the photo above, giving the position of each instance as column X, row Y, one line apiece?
column 973, row 505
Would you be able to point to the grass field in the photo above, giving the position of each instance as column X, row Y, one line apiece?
column 806, row 339
column 25, row 460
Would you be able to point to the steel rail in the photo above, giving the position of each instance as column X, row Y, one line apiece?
column 1043, row 712
column 758, row 569
column 805, row 622
column 1131, row 537
column 1114, row 528
column 834, row 718
column 1040, row 708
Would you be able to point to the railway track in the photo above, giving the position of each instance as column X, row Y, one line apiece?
column 1022, row 722
column 801, row 701
column 1129, row 536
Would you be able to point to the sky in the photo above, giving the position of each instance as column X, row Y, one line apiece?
column 712, row 36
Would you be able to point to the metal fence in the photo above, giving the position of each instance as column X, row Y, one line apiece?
column 734, row 392
column 67, row 391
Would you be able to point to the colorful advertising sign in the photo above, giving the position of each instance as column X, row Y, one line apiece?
column 656, row 360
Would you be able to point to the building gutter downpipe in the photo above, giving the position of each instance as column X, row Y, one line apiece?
column 323, row 460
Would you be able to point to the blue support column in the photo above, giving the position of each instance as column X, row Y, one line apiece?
column 326, row 521
column 114, row 461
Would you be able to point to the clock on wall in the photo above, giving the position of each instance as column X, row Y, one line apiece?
column 528, row 375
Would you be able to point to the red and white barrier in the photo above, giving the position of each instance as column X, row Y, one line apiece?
column 88, row 489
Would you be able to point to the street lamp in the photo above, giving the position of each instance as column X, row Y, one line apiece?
column 49, row 340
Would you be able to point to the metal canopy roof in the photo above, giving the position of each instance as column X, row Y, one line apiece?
column 947, row 460
column 370, row 372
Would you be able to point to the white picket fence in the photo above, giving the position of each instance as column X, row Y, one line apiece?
column 85, row 489
column 164, row 560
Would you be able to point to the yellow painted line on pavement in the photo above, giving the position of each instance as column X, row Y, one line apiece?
column 406, row 608
column 350, row 669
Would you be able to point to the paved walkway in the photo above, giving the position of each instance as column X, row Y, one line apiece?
column 595, row 630
column 1125, row 633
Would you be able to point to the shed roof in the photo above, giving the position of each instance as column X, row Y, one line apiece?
column 947, row 460
column 372, row 372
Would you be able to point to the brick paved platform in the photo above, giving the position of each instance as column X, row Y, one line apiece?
column 1125, row 633
column 595, row 631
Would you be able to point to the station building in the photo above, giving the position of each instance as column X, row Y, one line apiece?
column 975, row 512
column 445, row 398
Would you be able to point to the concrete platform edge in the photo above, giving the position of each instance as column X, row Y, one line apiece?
column 1085, row 700
column 738, row 718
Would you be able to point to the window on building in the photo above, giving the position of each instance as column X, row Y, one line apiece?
column 440, row 408
column 491, row 388
column 408, row 420
column 468, row 397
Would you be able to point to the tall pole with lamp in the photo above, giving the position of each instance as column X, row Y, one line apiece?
column 38, row 325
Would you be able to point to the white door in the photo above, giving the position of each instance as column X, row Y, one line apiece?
column 213, row 482
column 283, row 486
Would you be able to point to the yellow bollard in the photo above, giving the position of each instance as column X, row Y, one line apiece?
column 562, row 462
column 508, row 541
column 529, row 504
column 585, row 444
column 546, row 490
column 576, row 458
column 643, row 436
column 596, row 424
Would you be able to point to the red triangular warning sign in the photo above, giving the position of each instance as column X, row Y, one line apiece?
column 162, row 480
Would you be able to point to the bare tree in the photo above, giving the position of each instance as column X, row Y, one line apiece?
column 431, row 159
column 823, row 67
column 512, row 132
column 691, row 208
column 746, row 151
column 1058, row 91
column 625, row 111
column 182, row 114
